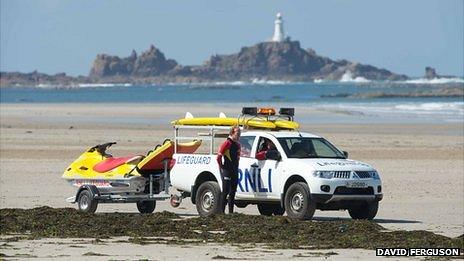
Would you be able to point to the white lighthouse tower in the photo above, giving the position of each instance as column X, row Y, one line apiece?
column 278, row 29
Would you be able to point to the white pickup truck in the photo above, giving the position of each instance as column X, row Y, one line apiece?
column 305, row 173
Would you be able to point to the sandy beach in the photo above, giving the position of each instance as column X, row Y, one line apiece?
column 422, row 165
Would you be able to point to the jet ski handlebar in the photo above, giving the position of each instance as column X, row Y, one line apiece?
column 101, row 148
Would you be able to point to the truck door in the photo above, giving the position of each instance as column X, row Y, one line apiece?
column 255, row 176
column 247, row 143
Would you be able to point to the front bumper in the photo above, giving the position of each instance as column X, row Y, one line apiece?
column 328, row 198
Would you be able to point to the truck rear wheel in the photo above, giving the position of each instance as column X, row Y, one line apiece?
column 298, row 203
column 209, row 199
column 146, row 206
column 86, row 202
column 366, row 211
column 267, row 209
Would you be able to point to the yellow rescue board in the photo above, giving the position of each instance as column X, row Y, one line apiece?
column 255, row 123
column 289, row 125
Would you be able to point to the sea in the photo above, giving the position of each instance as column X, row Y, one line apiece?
column 337, row 101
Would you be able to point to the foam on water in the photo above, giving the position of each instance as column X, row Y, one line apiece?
column 435, row 81
column 433, row 107
column 453, row 110
column 93, row 85
column 269, row 82
column 348, row 77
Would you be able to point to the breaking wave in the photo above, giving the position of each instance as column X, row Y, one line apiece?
column 81, row 85
column 270, row 82
column 431, row 107
column 435, row 80
column 450, row 109
column 92, row 85
column 348, row 77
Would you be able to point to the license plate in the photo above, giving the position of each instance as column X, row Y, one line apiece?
column 356, row 184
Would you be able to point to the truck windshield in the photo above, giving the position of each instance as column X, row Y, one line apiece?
column 309, row 148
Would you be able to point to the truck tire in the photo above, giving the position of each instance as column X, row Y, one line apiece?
column 298, row 203
column 86, row 203
column 146, row 206
column 209, row 199
column 366, row 211
column 267, row 209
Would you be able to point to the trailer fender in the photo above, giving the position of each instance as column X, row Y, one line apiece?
column 92, row 188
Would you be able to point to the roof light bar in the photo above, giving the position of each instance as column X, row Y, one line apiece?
column 250, row 111
column 287, row 111
column 266, row 111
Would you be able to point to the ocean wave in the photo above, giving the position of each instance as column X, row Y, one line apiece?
column 255, row 81
column 457, row 107
column 270, row 82
column 435, row 80
column 348, row 77
column 93, row 85
column 409, row 108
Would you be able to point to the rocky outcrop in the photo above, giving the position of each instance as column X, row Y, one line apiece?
column 267, row 60
column 430, row 73
column 152, row 63
column 148, row 64
column 37, row 79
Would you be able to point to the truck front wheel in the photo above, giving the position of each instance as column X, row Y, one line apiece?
column 208, row 199
column 298, row 203
column 365, row 211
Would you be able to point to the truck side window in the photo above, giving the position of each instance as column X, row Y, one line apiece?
column 246, row 143
column 264, row 145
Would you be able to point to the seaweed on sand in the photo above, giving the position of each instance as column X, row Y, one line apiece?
column 278, row 232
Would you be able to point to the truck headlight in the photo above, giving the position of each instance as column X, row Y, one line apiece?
column 374, row 174
column 324, row 174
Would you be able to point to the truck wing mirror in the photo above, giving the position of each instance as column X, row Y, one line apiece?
column 273, row 155
column 345, row 153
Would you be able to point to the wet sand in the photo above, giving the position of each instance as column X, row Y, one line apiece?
column 422, row 165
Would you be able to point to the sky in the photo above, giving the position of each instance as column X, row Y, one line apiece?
column 53, row 36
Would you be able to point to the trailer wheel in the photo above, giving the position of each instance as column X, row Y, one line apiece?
column 209, row 199
column 86, row 202
column 268, row 209
column 146, row 206
column 366, row 211
column 298, row 203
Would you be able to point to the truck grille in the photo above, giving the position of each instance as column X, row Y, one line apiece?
column 342, row 190
column 363, row 174
column 342, row 174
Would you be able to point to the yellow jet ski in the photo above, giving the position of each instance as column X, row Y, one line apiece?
column 110, row 175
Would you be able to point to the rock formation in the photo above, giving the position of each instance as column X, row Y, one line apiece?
column 284, row 60
column 268, row 60
column 149, row 63
column 430, row 73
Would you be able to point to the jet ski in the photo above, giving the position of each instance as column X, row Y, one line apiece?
column 130, row 174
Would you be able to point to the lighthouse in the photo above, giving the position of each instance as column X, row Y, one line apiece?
column 278, row 29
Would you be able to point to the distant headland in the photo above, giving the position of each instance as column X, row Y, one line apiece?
column 280, row 58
